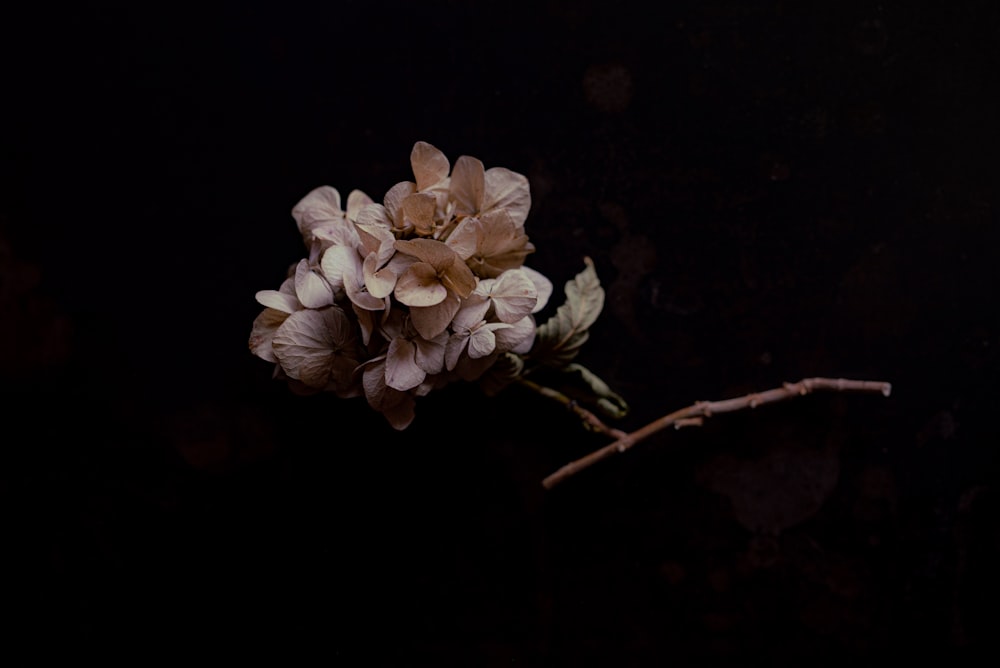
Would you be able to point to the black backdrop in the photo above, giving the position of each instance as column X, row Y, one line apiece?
column 769, row 192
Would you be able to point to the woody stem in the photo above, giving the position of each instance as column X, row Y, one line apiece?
column 697, row 412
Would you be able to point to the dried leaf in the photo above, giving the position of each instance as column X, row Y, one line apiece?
column 601, row 395
column 560, row 338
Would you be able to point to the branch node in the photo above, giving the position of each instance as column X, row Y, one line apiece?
column 689, row 422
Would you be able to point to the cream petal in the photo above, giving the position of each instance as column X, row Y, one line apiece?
column 429, row 164
column 507, row 190
column 356, row 200
column 401, row 369
column 430, row 354
column 514, row 296
column 543, row 286
column 517, row 338
column 471, row 313
column 467, row 185
column 278, row 300
column 358, row 294
column 379, row 282
column 419, row 286
column 338, row 262
column 374, row 215
column 311, row 288
column 319, row 204
column 482, row 342
column 262, row 333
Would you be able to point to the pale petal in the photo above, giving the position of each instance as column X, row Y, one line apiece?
column 543, row 286
column 322, row 203
column 467, row 185
column 419, row 286
column 429, row 321
column 338, row 262
column 311, row 288
column 356, row 200
column 307, row 342
column 379, row 282
column 514, row 296
column 358, row 294
column 507, row 190
column 453, row 349
column 429, row 164
column 464, row 239
column 262, row 333
column 481, row 343
column 318, row 213
column 401, row 369
column 430, row 354
column 374, row 215
column 393, row 200
column 518, row 337
column 471, row 313
column 278, row 300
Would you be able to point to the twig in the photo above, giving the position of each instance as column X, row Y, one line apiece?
column 694, row 414
column 591, row 421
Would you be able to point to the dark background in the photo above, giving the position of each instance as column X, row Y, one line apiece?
column 769, row 192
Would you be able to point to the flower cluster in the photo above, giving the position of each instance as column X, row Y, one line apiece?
column 395, row 299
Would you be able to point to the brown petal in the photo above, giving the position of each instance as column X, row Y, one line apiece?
column 429, row 164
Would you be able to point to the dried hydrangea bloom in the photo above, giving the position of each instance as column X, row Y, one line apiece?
column 400, row 297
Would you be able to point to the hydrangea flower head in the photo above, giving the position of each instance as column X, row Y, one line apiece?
column 398, row 297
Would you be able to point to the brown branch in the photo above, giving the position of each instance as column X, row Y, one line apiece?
column 694, row 415
column 590, row 420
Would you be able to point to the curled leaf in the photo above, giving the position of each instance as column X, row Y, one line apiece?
column 559, row 339
column 601, row 395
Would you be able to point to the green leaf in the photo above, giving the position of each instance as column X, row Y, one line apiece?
column 560, row 338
